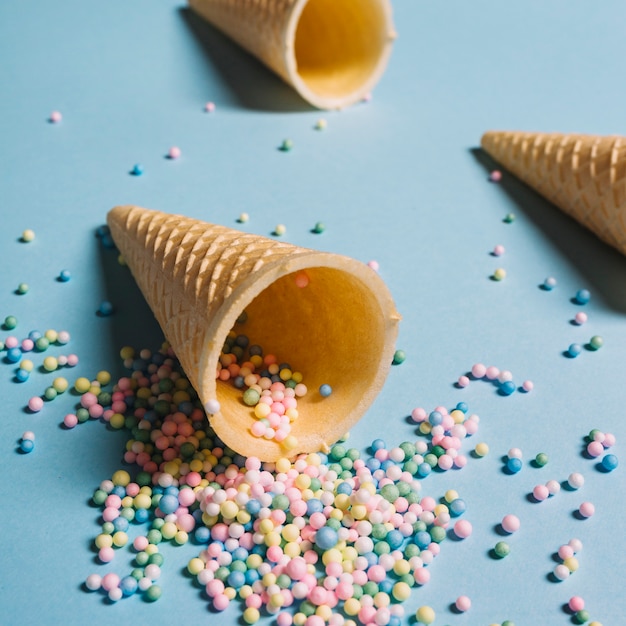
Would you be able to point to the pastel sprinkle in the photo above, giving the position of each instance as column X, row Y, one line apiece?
column 582, row 296
column 586, row 509
column 28, row 235
column 549, row 283
column 137, row 170
column 498, row 250
column 174, row 153
column 596, row 342
column 580, row 318
column 280, row 230
column 286, row 145
column 209, row 107
column 495, row 176
column 499, row 274
column 55, row 117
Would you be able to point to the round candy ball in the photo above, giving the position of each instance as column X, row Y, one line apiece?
column 561, row 572
column 510, row 523
column 507, row 387
column 574, row 349
column 586, row 509
column 499, row 274
column 64, row 276
column 596, row 342
column 549, row 283
column 27, row 445
column 609, row 462
column 463, row 603
column 541, row 459
column 325, row 390
column 495, row 176
column 540, row 493
column 425, row 615
column 582, row 296
column 514, row 465
column 399, row 356
column 576, row 603
column 580, row 318
column 575, row 480
column 462, row 529
column 501, row 549
column 105, row 309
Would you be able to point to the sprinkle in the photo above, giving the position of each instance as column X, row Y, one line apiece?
column 425, row 615
column 499, row 274
column 580, row 318
column 478, row 370
column 22, row 289
column 319, row 228
column 280, row 230
column 243, row 218
column 575, row 480
column 495, row 176
column 541, row 459
column 463, row 603
column 507, row 387
column 510, row 523
column 399, row 357
column 576, row 603
column 301, row 279
column 574, row 350
column 498, row 250
column 561, row 572
column 514, row 465
column 502, row 549
column 374, row 265
column 596, row 342
column 541, row 493
column 55, row 117
column 64, row 276
column 209, row 107
column 609, row 462
column 582, row 296
column 528, row 386
column 28, row 235
column 10, row 322
column 462, row 529
column 586, row 509
column 286, row 145
column 320, row 124
column 463, row 381
column 137, row 170
column 27, row 442
column 509, row 218
column 174, row 153
column 549, row 283
column 35, row 404
column 481, row 449
column 325, row 390
column 212, row 407
column 105, row 309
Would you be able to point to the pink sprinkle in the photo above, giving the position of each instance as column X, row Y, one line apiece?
column 595, row 448
column 576, row 603
column 421, row 575
column 462, row 529
column 220, row 602
column 284, row 619
column 565, row 552
column 302, row 279
column 418, row 415
column 55, row 117
column 70, row 420
column 463, row 603
column 35, row 404
column 498, row 250
column 478, row 370
column 528, row 385
column 586, row 509
column 553, row 486
column 540, row 493
column 110, row 581
column 609, row 440
column 374, row 265
column 580, row 318
column 510, row 523
column 11, row 342
column 209, row 107
column 27, row 345
column 492, row 372
column 106, row 554
column 495, row 176
column 72, row 360
column 463, row 381
column 575, row 544
column 174, row 153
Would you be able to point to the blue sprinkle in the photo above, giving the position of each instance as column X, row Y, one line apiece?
column 325, row 390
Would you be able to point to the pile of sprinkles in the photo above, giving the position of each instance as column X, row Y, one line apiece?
column 318, row 539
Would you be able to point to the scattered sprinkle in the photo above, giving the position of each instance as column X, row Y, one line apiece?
column 319, row 228
column 580, row 318
column 280, row 230
column 22, row 289
column 549, row 283
column 574, row 350
column 399, row 356
column 499, row 274
column 325, row 390
column 502, row 549
column 243, row 218
column 28, row 235
column 55, row 117
column 105, row 309
column 498, row 250
column 495, row 176
column 509, row 218
column 286, row 145
column 209, row 107
column 137, row 170
column 320, row 124
column 174, row 153
column 586, row 509
column 596, row 342
column 64, row 276
column 582, row 296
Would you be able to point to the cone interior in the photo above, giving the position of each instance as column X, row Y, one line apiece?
column 334, row 331
column 341, row 46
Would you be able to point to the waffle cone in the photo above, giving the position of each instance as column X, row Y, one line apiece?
column 584, row 175
column 198, row 278
column 332, row 52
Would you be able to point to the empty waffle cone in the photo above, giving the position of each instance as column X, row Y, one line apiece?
column 332, row 52
column 198, row 278
column 584, row 175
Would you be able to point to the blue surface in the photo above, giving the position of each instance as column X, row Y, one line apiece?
column 398, row 180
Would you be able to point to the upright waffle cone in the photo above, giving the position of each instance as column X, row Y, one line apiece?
column 584, row 175
column 332, row 52
column 198, row 278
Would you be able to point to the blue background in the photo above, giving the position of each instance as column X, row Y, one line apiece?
column 399, row 180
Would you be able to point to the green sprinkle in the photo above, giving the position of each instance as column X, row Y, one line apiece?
column 319, row 228
column 10, row 322
column 251, row 397
column 509, row 218
column 582, row 616
column 398, row 357
column 596, row 342
column 502, row 549
column 287, row 145
column 22, row 289
column 153, row 593
column 541, row 459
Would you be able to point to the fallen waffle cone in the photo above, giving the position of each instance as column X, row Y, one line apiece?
column 198, row 278
column 332, row 52
column 584, row 175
